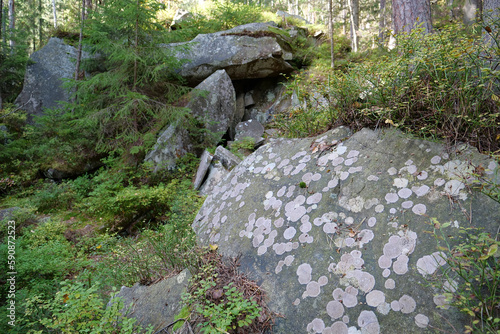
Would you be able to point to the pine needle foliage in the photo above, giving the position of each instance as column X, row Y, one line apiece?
column 127, row 98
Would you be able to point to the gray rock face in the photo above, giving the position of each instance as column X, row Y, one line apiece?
column 286, row 15
column 43, row 81
column 252, row 129
column 180, row 16
column 246, row 52
column 336, row 228
column 213, row 102
column 156, row 304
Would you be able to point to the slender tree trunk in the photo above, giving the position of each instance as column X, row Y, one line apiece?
column 406, row 14
column 381, row 23
column 40, row 24
column 136, row 44
column 353, row 6
column 54, row 13
column 1, row 20
column 470, row 9
column 330, row 23
column 80, row 39
column 12, row 23
column 4, row 25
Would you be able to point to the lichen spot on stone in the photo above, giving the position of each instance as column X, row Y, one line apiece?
column 407, row 304
column 421, row 320
column 374, row 298
column 316, row 326
column 304, row 272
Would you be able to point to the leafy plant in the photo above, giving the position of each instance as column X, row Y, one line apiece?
column 220, row 301
column 79, row 309
column 474, row 273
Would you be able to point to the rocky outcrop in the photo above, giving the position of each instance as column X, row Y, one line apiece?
column 286, row 15
column 155, row 305
column 337, row 229
column 213, row 103
column 44, row 78
column 245, row 52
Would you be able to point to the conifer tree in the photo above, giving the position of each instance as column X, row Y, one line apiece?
column 127, row 100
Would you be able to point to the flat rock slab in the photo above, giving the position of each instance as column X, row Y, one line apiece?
column 335, row 228
column 246, row 52
column 157, row 304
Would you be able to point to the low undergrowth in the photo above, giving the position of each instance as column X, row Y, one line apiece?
column 434, row 86
column 471, row 280
column 220, row 299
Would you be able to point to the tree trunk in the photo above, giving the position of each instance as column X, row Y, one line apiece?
column 407, row 14
column 470, row 9
column 381, row 23
column 354, row 12
column 12, row 23
column 79, row 53
column 54, row 13
column 4, row 25
column 40, row 24
column 1, row 20
column 330, row 23
column 136, row 45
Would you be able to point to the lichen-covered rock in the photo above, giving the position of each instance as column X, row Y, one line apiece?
column 246, row 52
column 43, row 81
column 213, row 102
column 335, row 228
column 157, row 304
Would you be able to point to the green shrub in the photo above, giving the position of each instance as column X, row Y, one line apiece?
column 79, row 309
column 432, row 85
column 474, row 271
column 221, row 308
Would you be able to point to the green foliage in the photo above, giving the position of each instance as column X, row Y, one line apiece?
column 12, row 67
column 474, row 271
column 216, row 16
column 153, row 253
column 127, row 100
column 243, row 146
column 79, row 309
column 224, row 313
column 434, row 86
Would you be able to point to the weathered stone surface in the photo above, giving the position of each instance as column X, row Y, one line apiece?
column 205, row 161
column 216, row 173
column 286, row 15
column 43, row 81
column 180, row 16
column 213, row 102
column 8, row 213
column 228, row 159
column 268, row 98
column 252, row 129
column 245, row 52
column 156, row 304
column 351, row 249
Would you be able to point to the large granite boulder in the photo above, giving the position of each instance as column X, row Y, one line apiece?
column 213, row 102
column 155, row 305
column 44, row 78
column 246, row 52
column 336, row 228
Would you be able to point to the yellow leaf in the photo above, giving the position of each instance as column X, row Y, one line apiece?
column 495, row 98
column 213, row 247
